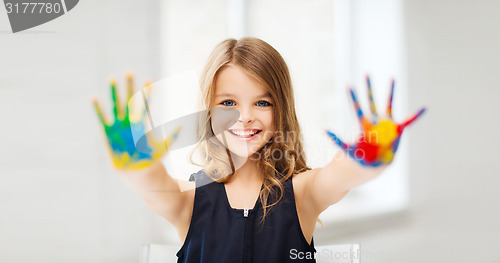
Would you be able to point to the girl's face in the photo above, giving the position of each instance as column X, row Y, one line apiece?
column 255, row 126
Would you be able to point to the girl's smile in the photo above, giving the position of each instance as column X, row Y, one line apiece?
column 244, row 134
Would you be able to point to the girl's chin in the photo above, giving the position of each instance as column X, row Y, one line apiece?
column 243, row 149
column 241, row 154
column 244, row 154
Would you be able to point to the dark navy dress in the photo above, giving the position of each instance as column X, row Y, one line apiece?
column 219, row 233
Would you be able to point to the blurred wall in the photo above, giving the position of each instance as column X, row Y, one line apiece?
column 453, row 54
column 60, row 201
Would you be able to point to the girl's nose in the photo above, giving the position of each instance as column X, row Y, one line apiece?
column 246, row 116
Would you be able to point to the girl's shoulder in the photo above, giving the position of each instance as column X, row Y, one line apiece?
column 303, row 177
column 301, row 182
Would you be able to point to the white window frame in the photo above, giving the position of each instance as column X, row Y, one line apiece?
column 387, row 196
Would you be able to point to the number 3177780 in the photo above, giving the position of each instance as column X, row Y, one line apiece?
column 33, row 8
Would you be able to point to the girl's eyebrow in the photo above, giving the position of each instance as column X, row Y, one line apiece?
column 267, row 95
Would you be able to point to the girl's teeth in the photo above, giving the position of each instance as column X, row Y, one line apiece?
column 244, row 133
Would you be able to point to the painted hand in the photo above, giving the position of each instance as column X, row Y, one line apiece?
column 119, row 135
column 379, row 139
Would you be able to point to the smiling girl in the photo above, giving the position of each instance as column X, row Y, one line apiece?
column 256, row 200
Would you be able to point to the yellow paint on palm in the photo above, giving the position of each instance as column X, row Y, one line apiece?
column 387, row 155
column 383, row 133
column 125, row 161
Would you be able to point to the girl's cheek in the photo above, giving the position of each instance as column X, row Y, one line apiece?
column 267, row 118
column 219, row 138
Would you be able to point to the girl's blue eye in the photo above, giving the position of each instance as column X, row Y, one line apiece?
column 228, row 103
column 263, row 103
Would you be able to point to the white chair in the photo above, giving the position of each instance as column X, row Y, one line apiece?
column 156, row 253
column 343, row 253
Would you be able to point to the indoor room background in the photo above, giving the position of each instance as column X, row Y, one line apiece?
column 61, row 201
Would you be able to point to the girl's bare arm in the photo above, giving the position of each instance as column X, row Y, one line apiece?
column 332, row 182
column 164, row 195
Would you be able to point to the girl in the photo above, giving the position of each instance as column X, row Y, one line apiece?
column 256, row 200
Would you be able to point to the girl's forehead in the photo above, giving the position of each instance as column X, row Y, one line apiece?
column 234, row 81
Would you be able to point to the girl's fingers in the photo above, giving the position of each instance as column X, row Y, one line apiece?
column 364, row 122
column 142, row 116
column 370, row 98
column 147, row 90
column 130, row 86
column 389, row 103
column 117, row 110
column 98, row 110
column 359, row 112
column 395, row 145
column 411, row 119
column 337, row 140
column 146, row 96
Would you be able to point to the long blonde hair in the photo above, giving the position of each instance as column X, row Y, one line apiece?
column 262, row 62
